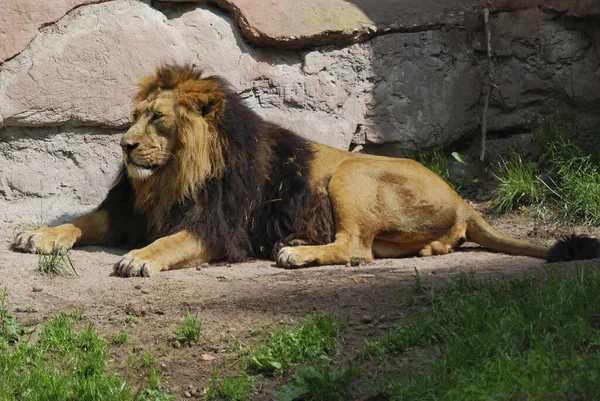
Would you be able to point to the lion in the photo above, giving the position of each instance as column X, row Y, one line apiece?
column 204, row 178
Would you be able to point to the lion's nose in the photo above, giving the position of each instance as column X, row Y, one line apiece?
column 128, row 147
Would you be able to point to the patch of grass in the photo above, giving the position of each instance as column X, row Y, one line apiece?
column 150, row 394
column 77, row 313
column 154, row 380
column 519, row 184
column 376, row 350
column 418, row 281
column 400, row 339
column 10, row 329
column 514, row 339
column 141, row 360
column 145, row 360
column 318, row 384
column 313, row 340
column 570, row 181
column 435, row 160
column 120, row 338
column 230, row 389
column 56, row 263
column 128, row 319
column 549, row 129
column 64, row 364
column 189, row 331
column 575, row 182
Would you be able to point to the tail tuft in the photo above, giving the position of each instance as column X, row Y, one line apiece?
column 574, row 247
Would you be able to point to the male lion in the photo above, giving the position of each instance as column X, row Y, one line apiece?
column 205, row 178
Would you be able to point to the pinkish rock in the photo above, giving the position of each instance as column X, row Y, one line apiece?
column 297, row 24
column 83, row 70
column 20, row 21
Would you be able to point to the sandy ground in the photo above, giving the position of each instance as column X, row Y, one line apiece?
column 233, row 300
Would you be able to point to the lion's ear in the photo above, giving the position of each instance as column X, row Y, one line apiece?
column 208, row 110
column 204, row 97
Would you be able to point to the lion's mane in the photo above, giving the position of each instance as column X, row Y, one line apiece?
column 242, row 187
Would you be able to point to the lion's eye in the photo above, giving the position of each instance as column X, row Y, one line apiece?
column 156, row 116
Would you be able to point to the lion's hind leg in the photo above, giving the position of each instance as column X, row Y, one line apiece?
column 447, row 243
column 435, row 248
column 389, row 249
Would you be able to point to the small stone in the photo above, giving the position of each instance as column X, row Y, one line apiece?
column 176, row 344
column 366, row 319
column 190, row 387
column 382, row 318
column 163, row 365
column 37, row 289
column 199, row 268
column 134, row 309
column 145, row 291
column 348, row 264
column 358, row 262
column 207, row 357
column 138, row 287
column 187, row 394
column 25, row 309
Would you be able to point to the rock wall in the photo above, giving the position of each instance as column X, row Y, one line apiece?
column 388, row 74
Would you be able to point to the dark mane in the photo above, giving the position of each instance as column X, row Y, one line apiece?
column 262, row 197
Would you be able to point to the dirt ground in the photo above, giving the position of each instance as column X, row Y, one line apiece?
column 236, row 301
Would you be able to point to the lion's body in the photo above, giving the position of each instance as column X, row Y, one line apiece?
column 205, row 178
column 389, row 207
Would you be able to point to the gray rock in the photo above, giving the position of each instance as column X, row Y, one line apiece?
column 54, row 172
column 425, row 89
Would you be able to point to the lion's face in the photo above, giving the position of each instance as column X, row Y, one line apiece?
column 151, row 142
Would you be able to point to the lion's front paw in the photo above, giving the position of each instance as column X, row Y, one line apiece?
column 135, row 263
column 44, row 240
column 291, row 257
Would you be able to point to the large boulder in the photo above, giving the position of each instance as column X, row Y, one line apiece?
column 541, row 66
column 296, row 24
column 388, row 75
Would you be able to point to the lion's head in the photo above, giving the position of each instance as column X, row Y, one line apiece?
column 173, row 145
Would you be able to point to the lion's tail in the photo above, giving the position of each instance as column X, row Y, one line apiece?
column 573, row 247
